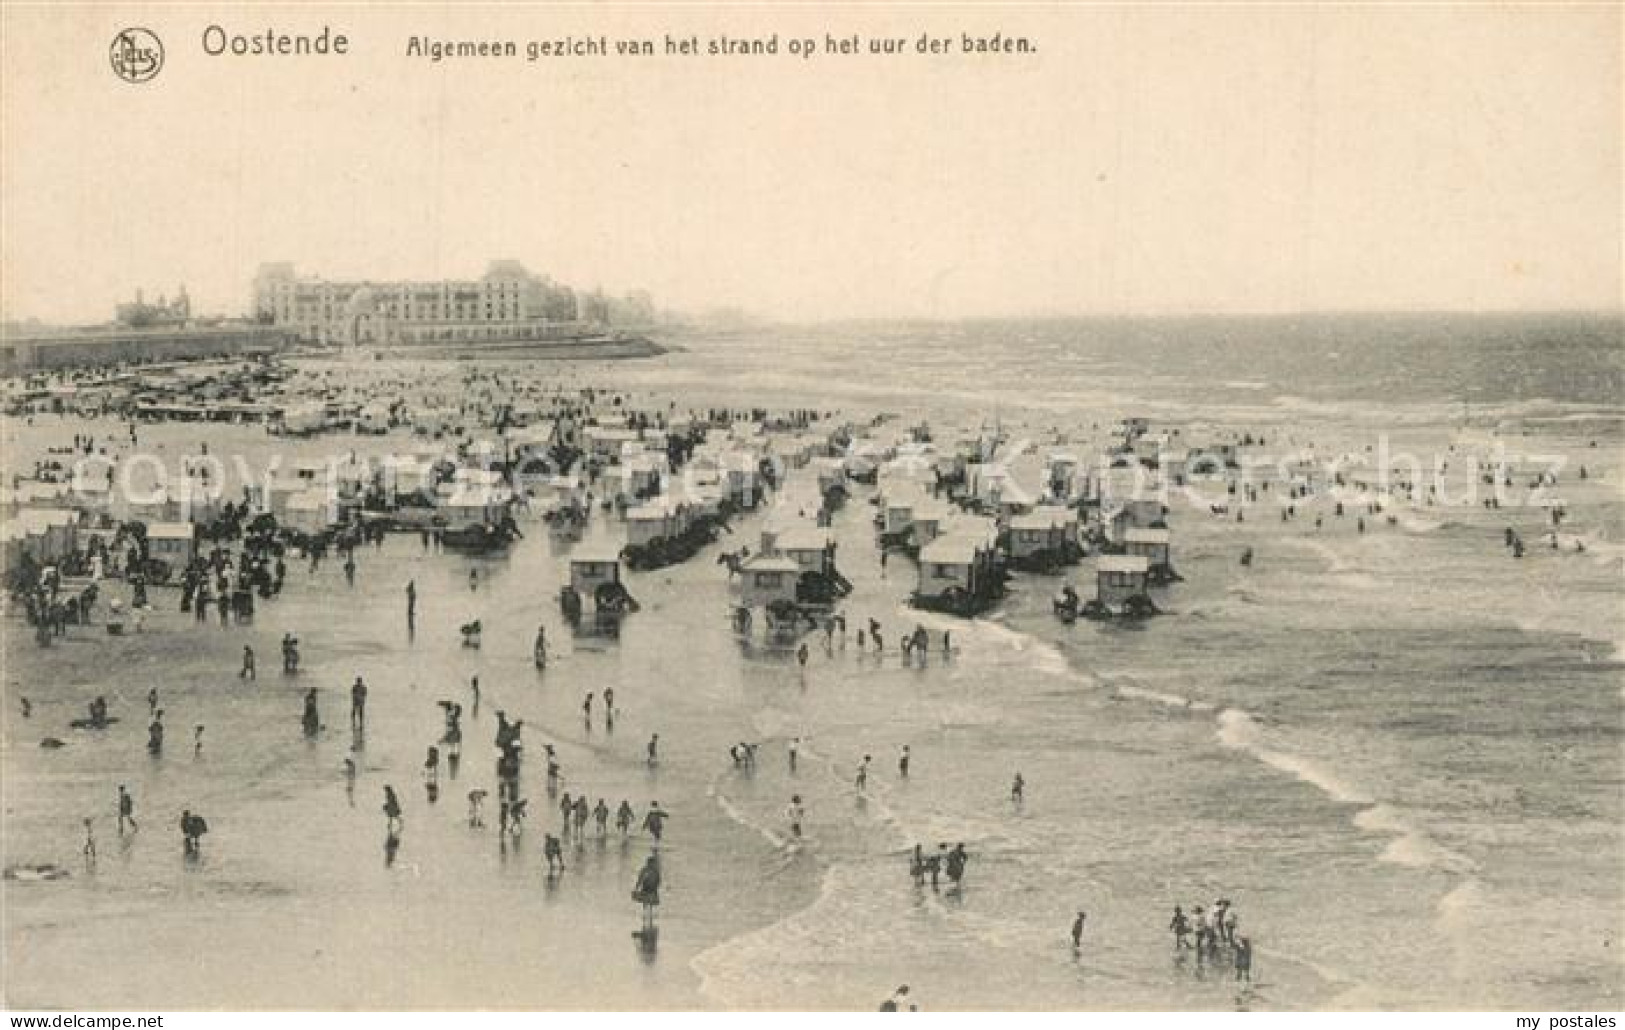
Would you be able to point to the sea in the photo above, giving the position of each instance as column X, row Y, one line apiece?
column 1394, row 748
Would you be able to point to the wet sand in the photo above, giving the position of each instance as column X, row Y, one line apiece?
column 1372, row 741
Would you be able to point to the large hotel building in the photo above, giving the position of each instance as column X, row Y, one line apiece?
column 506, row 303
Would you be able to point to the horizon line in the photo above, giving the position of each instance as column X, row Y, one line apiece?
column 1616, row 312
column 746, row 317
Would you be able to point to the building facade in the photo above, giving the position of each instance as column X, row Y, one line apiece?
column 114, row 345
column 165, row 314
column 506, row 303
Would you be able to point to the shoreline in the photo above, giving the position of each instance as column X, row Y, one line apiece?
column 577, row 349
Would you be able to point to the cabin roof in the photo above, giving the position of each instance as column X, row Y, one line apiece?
column 1145, row 535
column 1039, row 520
column 536, row 432
column 803, row 538
column 950, row 550
column 472, row 497
column 46, row 517
column 769, row 563
column 595, row 554
column 1129, row 563
column 171, row 531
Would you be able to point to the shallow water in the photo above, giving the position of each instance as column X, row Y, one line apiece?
column 1398, row 752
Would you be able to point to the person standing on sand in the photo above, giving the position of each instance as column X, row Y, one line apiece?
column 647, row 890
column 955, row 863
column 1181, row 927
column 655, row 821
column 192, row 827
column 358, row 705
column 902, row 763
column 1077, row 931
column 582, row 811
column 795, row 748
column 392, row 811
column 654, row 751
column 311, row 720
column 1244, row 959
column 794, row 814
column 1018, row 790
column 126, row 809
column 624, row 817
column 862, row 780
column 552, row 771
column 247, row 672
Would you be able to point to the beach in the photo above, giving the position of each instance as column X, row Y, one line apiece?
column 1394, row 747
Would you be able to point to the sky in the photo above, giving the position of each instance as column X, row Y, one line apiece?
column 1144, row 160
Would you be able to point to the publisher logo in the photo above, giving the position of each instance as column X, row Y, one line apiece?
column 136, row 54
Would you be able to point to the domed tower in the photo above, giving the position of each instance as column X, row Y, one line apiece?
column 364, row 323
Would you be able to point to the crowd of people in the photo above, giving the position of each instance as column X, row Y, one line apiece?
column 247, row 561
column 1211, row 934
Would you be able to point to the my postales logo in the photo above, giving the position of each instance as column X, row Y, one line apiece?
column 136, row 55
